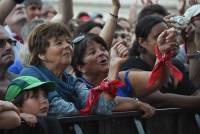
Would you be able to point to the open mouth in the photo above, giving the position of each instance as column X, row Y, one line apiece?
column 103, row 61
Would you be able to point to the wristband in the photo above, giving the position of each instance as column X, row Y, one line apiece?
column 114, row 16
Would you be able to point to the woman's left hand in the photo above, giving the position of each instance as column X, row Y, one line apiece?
column 119, row 53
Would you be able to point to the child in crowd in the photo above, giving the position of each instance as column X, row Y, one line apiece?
column 29, row 94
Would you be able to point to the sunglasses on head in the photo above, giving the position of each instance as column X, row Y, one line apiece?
column 78, row 39
column 4, row 41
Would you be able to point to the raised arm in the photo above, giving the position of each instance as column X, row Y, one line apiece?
column 133, row 13
column 193, row 47
column 181, row 6
column 118, row 55
column 66, row 7
column 108, row 30
column 140, row 79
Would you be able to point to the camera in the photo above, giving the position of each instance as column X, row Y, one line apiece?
column 178, row 22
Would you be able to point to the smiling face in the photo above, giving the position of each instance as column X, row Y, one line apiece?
column 35, row 103
column 6, row 53
column 59, row 52
column 95, row 59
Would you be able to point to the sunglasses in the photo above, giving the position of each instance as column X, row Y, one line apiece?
column 77, row 40
column 3, row 43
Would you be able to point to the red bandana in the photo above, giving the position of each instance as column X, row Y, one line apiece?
column 158, row 68
column 107, row 86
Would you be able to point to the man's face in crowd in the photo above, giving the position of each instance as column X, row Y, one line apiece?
column 6, row 52
column 33, row 11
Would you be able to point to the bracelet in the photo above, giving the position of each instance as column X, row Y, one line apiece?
column 137, row 101
column 115, row 16
column 18, row 1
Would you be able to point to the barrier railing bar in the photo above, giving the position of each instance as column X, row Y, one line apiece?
column 78, row 118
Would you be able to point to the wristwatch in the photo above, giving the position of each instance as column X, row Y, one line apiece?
column 196, row 55
column 18, row 1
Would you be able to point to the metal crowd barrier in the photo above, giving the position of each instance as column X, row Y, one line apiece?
column 165, row 121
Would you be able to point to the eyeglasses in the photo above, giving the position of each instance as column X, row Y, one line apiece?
column 4, row 41
column 78, row 39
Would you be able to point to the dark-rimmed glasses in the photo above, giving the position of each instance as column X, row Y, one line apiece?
column 4, row 41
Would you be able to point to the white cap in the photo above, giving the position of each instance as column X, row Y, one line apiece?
column 191, row 12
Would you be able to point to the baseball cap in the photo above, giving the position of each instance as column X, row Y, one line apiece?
column 191, row 12
column 24, row 83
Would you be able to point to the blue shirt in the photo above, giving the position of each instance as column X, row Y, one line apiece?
column 66, row 105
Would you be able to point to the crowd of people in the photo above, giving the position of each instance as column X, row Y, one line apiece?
column 56, row 62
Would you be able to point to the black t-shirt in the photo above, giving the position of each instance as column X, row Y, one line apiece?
column 184, row 87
